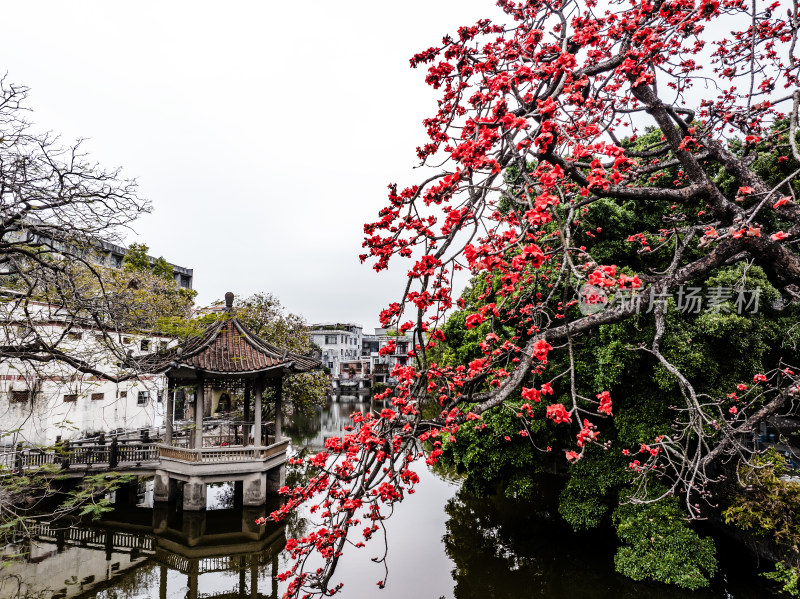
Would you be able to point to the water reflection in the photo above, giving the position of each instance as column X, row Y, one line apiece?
column 443, row 542
column 151, row 552
column 502, row 546
column 311, row 430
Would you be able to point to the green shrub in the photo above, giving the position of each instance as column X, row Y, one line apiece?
column 659, row 545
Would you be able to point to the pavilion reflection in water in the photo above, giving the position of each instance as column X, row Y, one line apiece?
column 186, row 552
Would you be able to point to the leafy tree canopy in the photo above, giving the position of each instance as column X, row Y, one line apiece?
column 585, row 235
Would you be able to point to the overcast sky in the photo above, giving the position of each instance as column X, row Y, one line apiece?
column 263, row 133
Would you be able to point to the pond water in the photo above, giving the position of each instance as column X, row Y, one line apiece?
column 442, row 542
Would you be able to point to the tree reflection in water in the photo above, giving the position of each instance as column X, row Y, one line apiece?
column 505, row 548
column 138, row 553
column 491, row 547
column 500, row 547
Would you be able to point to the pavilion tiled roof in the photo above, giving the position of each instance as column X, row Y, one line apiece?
column 227, row 347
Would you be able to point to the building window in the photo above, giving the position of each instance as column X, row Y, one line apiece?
column 145, row 344
column 75, row 336
column 160, row 396
column 116, row 260
column 20, row 396
column 141, row 399
column 126, row 340
column 98, row 396
column 123, row 394
column 71, row 397
column 186, row 282
column 330, row 339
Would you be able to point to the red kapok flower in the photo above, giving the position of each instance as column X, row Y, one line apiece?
column 605, row 403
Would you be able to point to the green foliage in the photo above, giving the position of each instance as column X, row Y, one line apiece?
column 263, row 314
column 136, row 258
column 714, row 349
column 91, row 497
column 488, row 458
column 659, row 545
column 178, row 327
column 769, row 506
column 787, row 577
column 143, row 301
column 162, row 268
column 591, row 490
column 266, row 317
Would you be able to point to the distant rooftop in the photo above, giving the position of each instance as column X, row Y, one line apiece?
column 335, row 326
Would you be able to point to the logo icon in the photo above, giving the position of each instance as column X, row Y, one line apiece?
column 592, row 299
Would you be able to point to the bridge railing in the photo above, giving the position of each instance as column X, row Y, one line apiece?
column 83, row 536
column 69, row 454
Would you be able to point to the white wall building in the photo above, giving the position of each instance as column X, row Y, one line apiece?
column 352, row 356
column 42, row 402
column 382, row 365
column 341, row 347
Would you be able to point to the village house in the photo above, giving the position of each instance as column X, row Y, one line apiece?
column 353, row 357
column 43, row 402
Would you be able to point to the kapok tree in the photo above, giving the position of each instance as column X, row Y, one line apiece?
column 537, row 124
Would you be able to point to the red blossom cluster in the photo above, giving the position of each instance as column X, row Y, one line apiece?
column 537, row 126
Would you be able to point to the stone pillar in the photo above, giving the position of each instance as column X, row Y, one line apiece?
column 249, row 516
column 258, row 389
column 253, row 577
column 278, row 410
column 238, row 494
column 169, row 408
column 198, row 412
column 162, row 586
column 242, row 577
column 194, row 494
column 246, row 415
column 161, row 487
column 274, row 573
column 191, row 581
column 193, row 527
column 160, row 521
column 276, row 478
column 255, row 489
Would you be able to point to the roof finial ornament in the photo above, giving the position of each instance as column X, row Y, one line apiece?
column 229, row 301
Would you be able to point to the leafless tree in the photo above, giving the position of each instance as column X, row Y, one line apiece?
column 59, row 210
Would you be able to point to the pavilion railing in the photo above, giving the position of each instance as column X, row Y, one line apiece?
column 226, row 434
column 217, row 455
column 131, row 447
